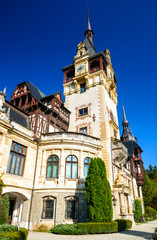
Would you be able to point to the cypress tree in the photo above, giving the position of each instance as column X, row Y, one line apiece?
column 4, row 209
column 4, row 204
column 98, row 192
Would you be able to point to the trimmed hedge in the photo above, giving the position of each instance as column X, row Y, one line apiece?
column 67, row 229
column 24, row 233
column 14, row 235
column 92, row 228
column 123, row 224
column 8, row 228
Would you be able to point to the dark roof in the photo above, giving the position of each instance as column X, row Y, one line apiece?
column 89, row 46
column 17, row 115
column 67, row 67
column 49, row 96
column 127, row 134
column 131, row 145
column 36, row 93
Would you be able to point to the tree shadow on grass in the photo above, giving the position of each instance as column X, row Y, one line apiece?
column 144, row 235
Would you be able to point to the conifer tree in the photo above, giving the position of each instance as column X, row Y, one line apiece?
column 98, row 192
column 4, row 204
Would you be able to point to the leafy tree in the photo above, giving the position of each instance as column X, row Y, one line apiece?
column 98, row 192
column 152, row 172
column 151, row 212
column 149, row 190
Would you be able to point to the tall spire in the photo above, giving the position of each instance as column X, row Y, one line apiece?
column 89, row 32
column 89, row 26
column 124, row 116
column 126, row 135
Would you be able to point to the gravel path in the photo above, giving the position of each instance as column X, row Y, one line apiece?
column 138, row 232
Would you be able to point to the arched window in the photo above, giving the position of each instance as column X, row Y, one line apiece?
column 71, row 167
column 52, row 167
column 86, row 166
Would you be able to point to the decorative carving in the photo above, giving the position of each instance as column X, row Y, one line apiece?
column 107, row 56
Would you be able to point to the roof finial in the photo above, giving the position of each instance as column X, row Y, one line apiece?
column 88, row 25
column 4, row 91
column 124, row 116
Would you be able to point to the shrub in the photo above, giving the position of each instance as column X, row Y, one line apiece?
column 123, row 224
column 24, row 233
column 138, row 211
column 4, row 209
column 67, row 229
column 85, row 228
column 151, row 212
column 94, row 228
column 11, row 236
column 8, row 228
column 14, row 235
column 98, row 192
column 41, row 228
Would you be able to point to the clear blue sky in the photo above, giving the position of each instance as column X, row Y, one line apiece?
column 38, row 38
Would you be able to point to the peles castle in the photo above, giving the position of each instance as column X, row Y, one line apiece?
column 46, row 145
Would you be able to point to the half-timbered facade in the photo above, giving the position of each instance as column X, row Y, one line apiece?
column 47, row 113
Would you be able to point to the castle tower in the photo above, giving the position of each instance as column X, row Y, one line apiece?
column 91, row 96
column 135, row 157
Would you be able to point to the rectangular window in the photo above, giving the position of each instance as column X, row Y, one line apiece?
column 83, row 112
column 48, row 206
column 83, row 130
column 71, row 209
column 16, row 159
column 82, row 88
column 139, row 168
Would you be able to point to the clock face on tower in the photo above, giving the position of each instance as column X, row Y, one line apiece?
column 80, row 68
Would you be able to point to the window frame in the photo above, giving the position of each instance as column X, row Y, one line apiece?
column 83, row 114
column 53, row 155
column 86, row 164
column 75, row 200
column 13, row 152
column 44, row 199
column 72, row 162
column 86, row 133
column 83, row 88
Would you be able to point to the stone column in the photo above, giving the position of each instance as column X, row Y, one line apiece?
column 122, row 203
column 20, row 213
column 62, row 168
column 81, row 165
column 130, row 204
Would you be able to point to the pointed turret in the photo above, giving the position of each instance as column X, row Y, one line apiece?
column 89, row 26
column 126, row 135
column 89, row 43
column 89, row 33
column 124, row 117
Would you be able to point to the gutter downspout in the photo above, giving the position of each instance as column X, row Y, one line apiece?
column 32, row 194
